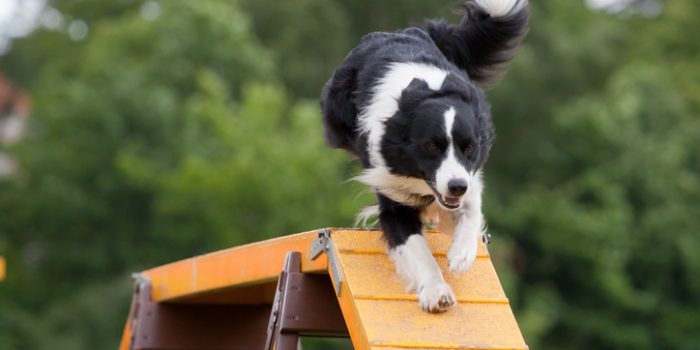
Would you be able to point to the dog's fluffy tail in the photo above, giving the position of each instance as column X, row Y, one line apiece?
column 486, row 39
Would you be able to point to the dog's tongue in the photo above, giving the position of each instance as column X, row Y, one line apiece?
column 451, row 200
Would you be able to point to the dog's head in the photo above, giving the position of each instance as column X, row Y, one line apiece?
column 440, row 136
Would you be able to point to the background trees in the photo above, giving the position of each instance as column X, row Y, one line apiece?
column 174, row 128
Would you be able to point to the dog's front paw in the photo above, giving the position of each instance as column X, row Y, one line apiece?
column 461, row 258
column 436, row 298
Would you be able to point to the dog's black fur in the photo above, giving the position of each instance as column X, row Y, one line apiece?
column 413, row 145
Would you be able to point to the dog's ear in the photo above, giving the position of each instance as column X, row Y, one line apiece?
column 457, row 86
column 417, row 91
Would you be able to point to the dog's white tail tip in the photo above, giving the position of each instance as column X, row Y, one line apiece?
column 501, row 8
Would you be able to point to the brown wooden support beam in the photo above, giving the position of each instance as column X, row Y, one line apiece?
column 195, row 326
column 305, row 305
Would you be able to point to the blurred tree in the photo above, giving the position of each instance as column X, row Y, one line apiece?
column 150, row 141
column 597, row 181
column 307, row 37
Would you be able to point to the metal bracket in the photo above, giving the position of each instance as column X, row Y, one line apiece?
column 141, row 286
column 274, row 313
column 324, row 244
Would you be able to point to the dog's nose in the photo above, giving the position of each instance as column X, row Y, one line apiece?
column 457, row 187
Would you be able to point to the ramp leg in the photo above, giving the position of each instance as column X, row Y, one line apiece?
column 305, row 304
column 168, row 326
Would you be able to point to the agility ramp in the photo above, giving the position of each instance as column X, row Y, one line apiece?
column 332, row 282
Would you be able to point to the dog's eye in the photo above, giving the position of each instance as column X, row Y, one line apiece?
column 432, row 146
column 469, row 150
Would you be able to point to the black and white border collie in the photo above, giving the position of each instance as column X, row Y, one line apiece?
column 409, row 106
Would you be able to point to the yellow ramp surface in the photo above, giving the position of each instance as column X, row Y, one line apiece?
column 381, row 315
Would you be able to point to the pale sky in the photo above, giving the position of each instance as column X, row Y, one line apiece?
column 608, row 4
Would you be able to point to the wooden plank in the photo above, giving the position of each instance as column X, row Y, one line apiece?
column 263, row 293
column 254, row 263
column 402, row 324
column 349, row 308
column 387, row 317
column 371, row 242
column 380, row 278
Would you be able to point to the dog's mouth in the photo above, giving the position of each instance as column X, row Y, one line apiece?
column 451, row 202
column 448, row 202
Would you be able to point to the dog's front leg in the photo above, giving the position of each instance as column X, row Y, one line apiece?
column 468, row 230
column 410, row 252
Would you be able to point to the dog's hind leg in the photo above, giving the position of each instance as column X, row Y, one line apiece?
column 414, row 260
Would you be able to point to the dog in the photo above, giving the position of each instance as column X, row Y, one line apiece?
column 410, row 106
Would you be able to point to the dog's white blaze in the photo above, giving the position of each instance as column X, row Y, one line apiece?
column 449, row 122
column 384, row 102
column 415, row 263
column 450, row 168
column 500, row 8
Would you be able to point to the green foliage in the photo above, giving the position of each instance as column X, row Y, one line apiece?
column 237, row 170
column 309, row 38
column 604, row 204
column 159, row 145
column 155, row 140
